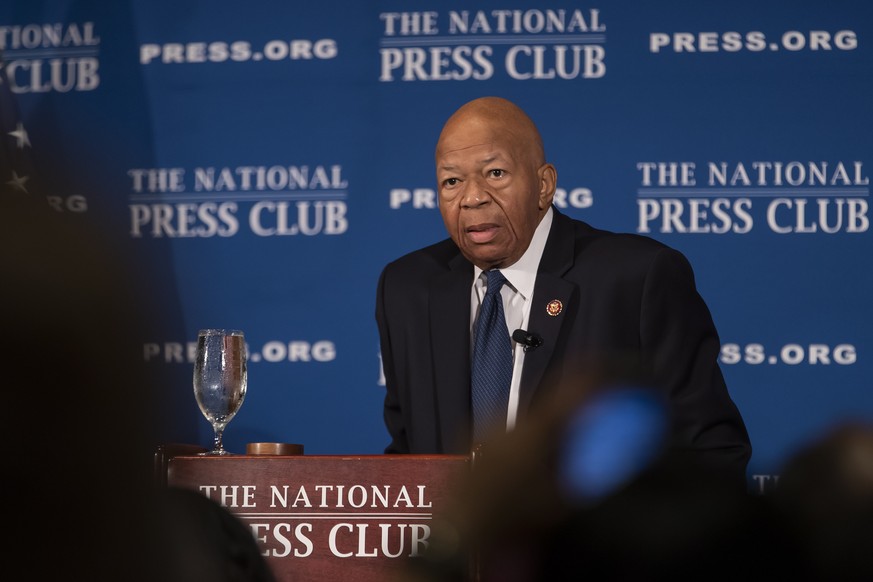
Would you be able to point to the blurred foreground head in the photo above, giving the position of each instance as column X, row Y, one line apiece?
column 589, row 487
column 77, row 401
column 198, row 539
column 825, row 494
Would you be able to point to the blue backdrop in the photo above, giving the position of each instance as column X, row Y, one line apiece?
column 258, row 163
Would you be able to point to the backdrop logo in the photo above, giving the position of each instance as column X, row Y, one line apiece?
column 237, row 51
column 792, row 354
column 793, row 197
column 765, row 484
column 271, row 351
column 459, row 45
column 426, row 198
column 754, row 41
column 219, row 201
column 59, row 57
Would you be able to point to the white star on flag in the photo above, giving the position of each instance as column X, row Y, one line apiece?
column 20, row 134
column 17, row 182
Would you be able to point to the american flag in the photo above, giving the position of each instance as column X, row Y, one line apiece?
column 17, row 181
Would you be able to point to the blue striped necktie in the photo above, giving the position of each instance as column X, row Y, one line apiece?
column 492, row 362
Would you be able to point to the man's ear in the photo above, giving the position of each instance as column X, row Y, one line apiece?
column 548, row 176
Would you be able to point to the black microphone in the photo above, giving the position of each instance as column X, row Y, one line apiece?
column 528, row 339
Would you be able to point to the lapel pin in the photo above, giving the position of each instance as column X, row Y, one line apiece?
column 554, row 307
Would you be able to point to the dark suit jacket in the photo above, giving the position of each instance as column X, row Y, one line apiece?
column 622, row 295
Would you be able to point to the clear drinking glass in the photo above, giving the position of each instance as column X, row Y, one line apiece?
column 220, row 379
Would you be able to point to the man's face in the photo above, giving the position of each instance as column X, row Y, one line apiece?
column 492, row 195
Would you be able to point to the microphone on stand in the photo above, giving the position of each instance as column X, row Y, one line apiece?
column 528, row 339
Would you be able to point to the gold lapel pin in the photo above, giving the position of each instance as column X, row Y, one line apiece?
column 554, row 308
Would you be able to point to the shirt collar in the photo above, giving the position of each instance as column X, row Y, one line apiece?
column 523, row 273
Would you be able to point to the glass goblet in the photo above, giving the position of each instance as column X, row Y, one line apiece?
column 220, row 379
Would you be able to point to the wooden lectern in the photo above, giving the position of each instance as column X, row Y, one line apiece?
column 326, row 517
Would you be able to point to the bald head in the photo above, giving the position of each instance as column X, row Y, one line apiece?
column 503, row 118
column 494, row 183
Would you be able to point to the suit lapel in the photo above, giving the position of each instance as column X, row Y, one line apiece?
column 450, row 321
column 449, row 312
column 550, row 287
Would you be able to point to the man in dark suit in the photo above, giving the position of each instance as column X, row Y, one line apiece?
column 583, row 294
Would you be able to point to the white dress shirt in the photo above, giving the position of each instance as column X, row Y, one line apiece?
column 516, row 295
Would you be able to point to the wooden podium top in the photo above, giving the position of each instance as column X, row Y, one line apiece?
column 329, row 517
